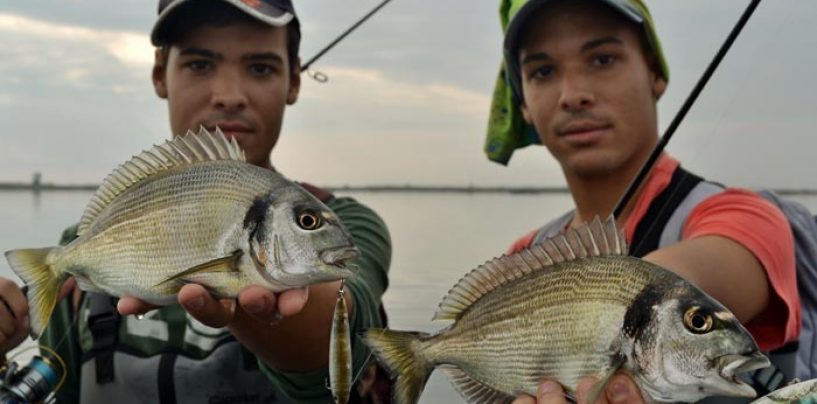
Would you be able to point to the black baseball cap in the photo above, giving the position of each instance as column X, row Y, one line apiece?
column 277, row 13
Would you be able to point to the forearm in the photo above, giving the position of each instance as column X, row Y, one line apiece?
column 299, row 343
column 723, row 269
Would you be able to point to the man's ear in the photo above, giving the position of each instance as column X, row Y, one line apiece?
column 294, row 82
column 659, row 85
column 159, row 72
column 525, row 113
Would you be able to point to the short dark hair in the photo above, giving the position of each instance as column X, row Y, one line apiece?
column 219, row 14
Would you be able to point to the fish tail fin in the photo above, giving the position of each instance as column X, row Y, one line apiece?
column 42, row 281
column 400, row 353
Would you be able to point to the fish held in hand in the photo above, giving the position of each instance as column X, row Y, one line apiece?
column 574, row 306
column 190, row 210
column 797, row 393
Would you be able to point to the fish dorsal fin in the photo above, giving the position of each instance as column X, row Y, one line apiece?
column 472, row 390
column 594, row 239
column 180, row 151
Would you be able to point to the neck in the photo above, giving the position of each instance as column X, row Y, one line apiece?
column 598, row 195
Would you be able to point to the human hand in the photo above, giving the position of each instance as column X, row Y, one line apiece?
column 259, row 303
column 14, row 326
column 620, row 389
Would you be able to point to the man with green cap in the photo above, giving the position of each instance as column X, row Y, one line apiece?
column 582, row 77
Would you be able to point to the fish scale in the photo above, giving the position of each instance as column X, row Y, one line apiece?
column 568, row 308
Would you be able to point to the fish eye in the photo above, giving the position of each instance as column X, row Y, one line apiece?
column 309, row 220
column 698, row 321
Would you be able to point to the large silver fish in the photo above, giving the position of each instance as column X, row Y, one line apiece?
column 797, row 393
column 572, row 307
column 191, row 210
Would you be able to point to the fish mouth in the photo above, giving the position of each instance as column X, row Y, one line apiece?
column 339, row 258
column 733, row 365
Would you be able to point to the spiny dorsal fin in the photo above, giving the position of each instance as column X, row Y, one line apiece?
column 180, row 151
column 594, row 239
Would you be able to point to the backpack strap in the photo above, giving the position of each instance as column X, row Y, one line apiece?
column 649, row 233
column 552, row 228
column 103, row 322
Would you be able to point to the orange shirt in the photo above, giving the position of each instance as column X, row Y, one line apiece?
column 752, row 222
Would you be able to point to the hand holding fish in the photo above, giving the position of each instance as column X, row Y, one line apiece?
column 259, row 303
column 620, row 389
column 14, row 322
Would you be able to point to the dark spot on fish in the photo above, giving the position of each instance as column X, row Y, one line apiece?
column 257, row 213
column 639, row 314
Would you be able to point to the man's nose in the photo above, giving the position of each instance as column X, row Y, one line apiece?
column 228, row 92
column 576, row 93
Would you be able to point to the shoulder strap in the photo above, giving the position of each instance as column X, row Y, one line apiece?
column 552, row 228
column 647, row 234
column 103, row 322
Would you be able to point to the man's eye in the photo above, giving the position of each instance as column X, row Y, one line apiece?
column 542, row 72
column 603, row 60
column 261, row 69
column 199, row 65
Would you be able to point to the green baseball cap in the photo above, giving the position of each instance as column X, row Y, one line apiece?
column 507, row 130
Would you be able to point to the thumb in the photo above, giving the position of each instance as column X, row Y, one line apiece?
column 550, row 392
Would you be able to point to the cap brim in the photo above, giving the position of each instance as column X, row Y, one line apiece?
column 266, row 13
column 526, row 11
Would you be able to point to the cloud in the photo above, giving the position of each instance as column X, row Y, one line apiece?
column 131, row 49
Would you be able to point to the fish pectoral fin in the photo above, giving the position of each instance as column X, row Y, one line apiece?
column 473, row 390
column 597, row 390
column 224, row 264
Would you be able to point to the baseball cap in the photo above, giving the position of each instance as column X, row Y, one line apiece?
column 276, row 13
column 507, row 131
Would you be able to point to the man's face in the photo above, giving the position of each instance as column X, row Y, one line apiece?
column 236, row 77
column 588, row 89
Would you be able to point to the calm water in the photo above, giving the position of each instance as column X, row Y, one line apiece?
column 436, row 239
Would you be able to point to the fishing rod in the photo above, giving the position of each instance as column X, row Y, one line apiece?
column 343, row 35
column 662, row 143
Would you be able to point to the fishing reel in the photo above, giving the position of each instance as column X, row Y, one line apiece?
column 35, row 382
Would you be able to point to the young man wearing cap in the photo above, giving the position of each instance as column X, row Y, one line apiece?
column 583, row 78
column 231, row 64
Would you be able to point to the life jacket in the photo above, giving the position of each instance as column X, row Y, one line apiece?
column 227, row 374
column 662, row 225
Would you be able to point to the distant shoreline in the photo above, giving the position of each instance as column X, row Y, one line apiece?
column 45, row 187
column 467, row 189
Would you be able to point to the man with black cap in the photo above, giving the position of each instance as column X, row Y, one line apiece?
column 231, row 64
column 583, row 77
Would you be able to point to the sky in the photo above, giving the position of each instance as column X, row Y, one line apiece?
column 408, row 93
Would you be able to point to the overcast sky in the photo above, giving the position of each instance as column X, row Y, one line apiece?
column 407, row 96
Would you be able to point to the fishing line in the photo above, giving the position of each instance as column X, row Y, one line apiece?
column 696, row 91
column 343, row 35
column 679, row 117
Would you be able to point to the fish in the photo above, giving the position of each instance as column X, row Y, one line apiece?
column 574, row 306
column 804, row 392
column 190, row 210
column 340, row 352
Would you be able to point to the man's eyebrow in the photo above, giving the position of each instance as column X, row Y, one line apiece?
column 590, row 45
column 601, row 41
column 264, row 56
column 535, row 57
column 200, row 52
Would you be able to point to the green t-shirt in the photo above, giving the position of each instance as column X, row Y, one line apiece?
column 371, row 237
